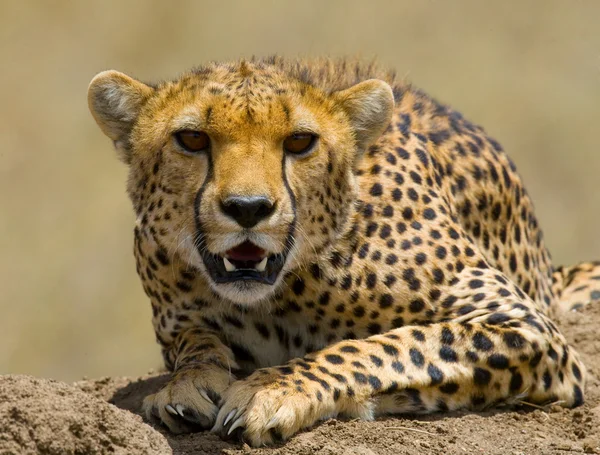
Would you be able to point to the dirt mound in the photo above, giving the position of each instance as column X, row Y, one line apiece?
column 51, row 417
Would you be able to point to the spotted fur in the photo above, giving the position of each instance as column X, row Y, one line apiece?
column 416, row 277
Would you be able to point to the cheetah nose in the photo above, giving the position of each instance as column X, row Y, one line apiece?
column 248, row 211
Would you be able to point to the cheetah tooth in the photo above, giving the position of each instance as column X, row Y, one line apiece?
column 262, row 265
column 229, row 266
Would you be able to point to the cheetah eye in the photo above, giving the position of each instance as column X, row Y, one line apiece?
column 299, row 143
column 193, row 141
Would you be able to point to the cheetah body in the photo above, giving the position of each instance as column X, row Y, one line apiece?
column 415, row 279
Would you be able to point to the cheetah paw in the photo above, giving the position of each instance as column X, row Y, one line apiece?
column 266, row 409
column 190, row 400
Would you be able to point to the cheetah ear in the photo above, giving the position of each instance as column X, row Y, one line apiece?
column 369, row 105
column 115, row 101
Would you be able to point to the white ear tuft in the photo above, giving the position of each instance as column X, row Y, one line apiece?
column 115, row 100
column 369, row 105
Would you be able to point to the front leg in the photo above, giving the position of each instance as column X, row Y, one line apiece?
column 202, row 372
column 495, row 357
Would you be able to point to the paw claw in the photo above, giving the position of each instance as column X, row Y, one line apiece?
column 238, row 423
column 171, row 410
column 180, row 410
column 229, row 417
column 204, row 395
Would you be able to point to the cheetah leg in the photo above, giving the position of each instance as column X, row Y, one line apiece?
column 477, row 360
column 189, row 402
column 576, row 286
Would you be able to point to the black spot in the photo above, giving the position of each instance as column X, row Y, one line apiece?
column 577, row 396
column 407, row 213
column 435, row 374
column 390, row 350
column 412, row 194
column 513, row 340
column 374, row 328
column 448, row 354
column 422, row 155
column 497, row 318
column 385, row 231
column 498, row 361
column 429, row 214
column 409, row 276
column 402, row 153
column 513, row 262
column 233, row 321
column 336, row 394
column 161, row 255
column 316, row 271
column 481, row 376
column 576, row 372
column 449, row 301
column 441, row 252
column 547, row 378
column 449, row 388
column 359, row 377
column 315, row 378
column 418, row 335
column 482, row 342
column 416, row 177
column 376, row 360
column 465, row 309
column 398, row 367
column 374, row 382
column 516, row 382
column 371, row 280
column 535, row 360
column 416, row 305
column 376, row 190
column 386, row 301
column 552, row 353
column 391, row 259
column 416, row 357
column 475, row 284
column 241, row 353
column 472, row 356
column 334, row 359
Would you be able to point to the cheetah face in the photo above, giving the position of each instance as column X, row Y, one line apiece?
column 244, row 172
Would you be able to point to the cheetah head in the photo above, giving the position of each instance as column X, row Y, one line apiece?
column 244, row 171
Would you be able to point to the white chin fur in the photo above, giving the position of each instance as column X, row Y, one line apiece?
column 246, row 293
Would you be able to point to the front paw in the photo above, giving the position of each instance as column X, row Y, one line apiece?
column 190, row 400
column 268, row 407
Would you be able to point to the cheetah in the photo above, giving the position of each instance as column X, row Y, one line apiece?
column 318, row 238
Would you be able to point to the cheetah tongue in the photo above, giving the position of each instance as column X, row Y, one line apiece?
column 245, row 256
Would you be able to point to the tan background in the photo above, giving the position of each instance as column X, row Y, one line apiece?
column 70, row 303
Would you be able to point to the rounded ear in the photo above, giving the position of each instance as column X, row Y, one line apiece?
column 115, row 101
column 369, row 106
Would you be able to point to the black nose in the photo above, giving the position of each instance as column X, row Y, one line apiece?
column 247, row 211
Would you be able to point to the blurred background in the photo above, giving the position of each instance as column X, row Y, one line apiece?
column 70, row 301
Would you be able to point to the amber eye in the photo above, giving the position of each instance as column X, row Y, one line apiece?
column 193, row 141
column 299, row 143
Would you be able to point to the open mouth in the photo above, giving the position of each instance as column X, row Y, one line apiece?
column 247, row 262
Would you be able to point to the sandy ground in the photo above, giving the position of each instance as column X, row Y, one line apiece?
column 56, row 418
